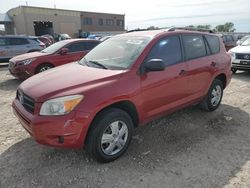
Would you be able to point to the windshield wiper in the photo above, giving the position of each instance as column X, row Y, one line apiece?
column 98, row 64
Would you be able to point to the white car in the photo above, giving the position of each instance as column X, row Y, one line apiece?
column 241, row 56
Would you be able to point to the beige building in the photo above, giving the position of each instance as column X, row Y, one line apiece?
column 38, row 21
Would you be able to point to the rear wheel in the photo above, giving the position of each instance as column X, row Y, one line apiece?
column 214, row 96
column 110, row 135
column 43, row 67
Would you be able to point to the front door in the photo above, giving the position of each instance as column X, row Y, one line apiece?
column 165, row 90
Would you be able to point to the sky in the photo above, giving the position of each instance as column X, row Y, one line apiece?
column 160, row 13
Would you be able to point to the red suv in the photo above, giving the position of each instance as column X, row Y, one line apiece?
column 26, row 65
column 125, row 81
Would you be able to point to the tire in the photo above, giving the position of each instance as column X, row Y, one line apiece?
column 110, row 135
column 212, row 102
column 234, row 70
column 43, row 67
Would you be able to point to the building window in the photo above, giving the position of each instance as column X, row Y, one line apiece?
column 87, row 21
column 119, row 23
column 100, row 21
column 109, row 22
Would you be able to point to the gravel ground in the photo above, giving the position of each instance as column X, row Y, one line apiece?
column 189, row 148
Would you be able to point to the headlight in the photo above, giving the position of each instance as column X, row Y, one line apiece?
column 232, row 54
column 61, row 105
column 26, row 61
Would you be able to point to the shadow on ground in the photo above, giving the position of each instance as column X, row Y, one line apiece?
column 242, row 75
column 3, row 65
column 10, row 85
column 189, row 148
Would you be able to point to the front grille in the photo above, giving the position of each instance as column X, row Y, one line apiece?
column 243, row 56
column 27, row 102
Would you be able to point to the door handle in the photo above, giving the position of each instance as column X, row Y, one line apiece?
column 213, row 64
column 182, row 72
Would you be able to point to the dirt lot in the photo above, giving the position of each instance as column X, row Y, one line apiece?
column 189, row 148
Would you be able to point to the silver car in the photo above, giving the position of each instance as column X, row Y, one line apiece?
column 13, row 45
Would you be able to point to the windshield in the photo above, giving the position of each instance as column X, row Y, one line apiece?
column 246, row 42
column 54, row 47
column 117, row 53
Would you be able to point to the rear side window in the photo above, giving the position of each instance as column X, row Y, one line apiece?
column 77, row 47
column 168, row 49
column 81, row 46
column 214, row 43
column 18, row 41
column 194, row 46
column 91, row 45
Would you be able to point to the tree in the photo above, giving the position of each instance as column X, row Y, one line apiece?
column 227, row 27
column 152, row 28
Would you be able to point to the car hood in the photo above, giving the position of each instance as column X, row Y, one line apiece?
column 28, row 56
column 241, row 49
column 65, row 80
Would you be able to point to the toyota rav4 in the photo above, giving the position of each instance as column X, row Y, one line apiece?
column 124, row 82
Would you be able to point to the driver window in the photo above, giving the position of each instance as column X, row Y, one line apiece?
column 168, row 49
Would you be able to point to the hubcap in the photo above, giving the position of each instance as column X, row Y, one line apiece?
column 45, row 68
column 114, row 138
column 216, row 95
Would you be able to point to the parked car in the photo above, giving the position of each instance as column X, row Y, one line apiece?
column 63, row 37
column 45, row 40
column 124, row 82
column 12, row 45
column 229, row 41
column 26, row 65
column 50, row 37
column 240, row 41
column 241, row 56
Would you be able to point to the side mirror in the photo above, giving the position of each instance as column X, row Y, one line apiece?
column 64, row 51
column 154, row 65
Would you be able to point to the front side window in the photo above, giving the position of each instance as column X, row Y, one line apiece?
column 55, row 47
column 194, row 46
column 118, row 52
column 167, row 49
column 214, row 43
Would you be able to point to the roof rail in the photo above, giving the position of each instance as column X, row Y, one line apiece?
column 189, row 29
column 134, row 30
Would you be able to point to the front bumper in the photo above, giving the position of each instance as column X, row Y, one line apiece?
column 20, row 71
column 239, row 65
column 59, row 131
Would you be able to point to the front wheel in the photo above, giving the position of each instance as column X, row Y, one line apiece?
column 43, row 67
column 214, row 96
column 110, row 135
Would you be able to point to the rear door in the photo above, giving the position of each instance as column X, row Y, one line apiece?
column 19, row 46
column 201, row 64
column 164, row 90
